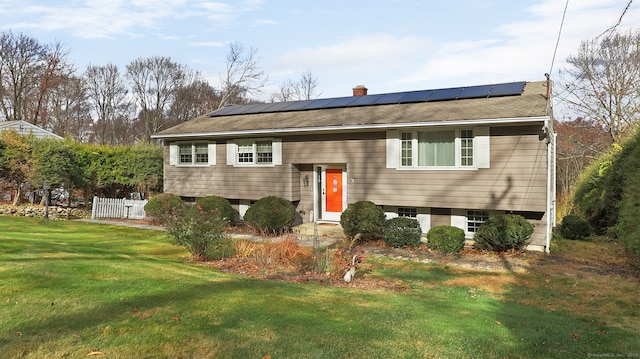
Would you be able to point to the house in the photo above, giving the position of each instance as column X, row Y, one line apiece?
column 453, row 156
column 25, row 128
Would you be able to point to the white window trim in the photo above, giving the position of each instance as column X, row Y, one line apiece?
column 276, row 152
column 459, row 219
column 481, row 149
column 174, row 154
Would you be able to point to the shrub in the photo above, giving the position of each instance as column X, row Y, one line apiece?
column 271, row 215
column 364, row 218
column 200, row 232
column 446, row 239
column 574, row 227
column 402, row 232
column 219, row 204
column 162, row 206
column 503, row 233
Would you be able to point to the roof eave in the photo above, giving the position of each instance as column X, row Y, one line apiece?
column 350, row 128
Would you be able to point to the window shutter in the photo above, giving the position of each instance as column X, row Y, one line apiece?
column 425, row 221
column 231, row 153
column 276, row 148
column 483, row 153
column 212, row 154
column 393, row 148
column 173, row 154
column 459, row 219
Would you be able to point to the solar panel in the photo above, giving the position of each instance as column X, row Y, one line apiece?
column 475, row 92
column 242, row 109
column 507, row 89
column 318, row 104
column 222, row 111
column 297, row 105
column 342, row 101
column 454, row 93
column 275, row 107
column 416, row 96
column 389, row 98
column 364, row 100
column 445, row 94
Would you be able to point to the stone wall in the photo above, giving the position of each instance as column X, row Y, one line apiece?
column 55, row 212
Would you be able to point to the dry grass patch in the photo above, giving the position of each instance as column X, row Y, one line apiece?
column 596, row 279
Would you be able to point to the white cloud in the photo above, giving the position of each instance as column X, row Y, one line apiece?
column 360, row 53
column 208, row 44
column 521, row 50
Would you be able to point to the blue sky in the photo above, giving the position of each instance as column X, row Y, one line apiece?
column 388, row 46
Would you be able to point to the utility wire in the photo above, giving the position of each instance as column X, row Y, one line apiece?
column 555, row 51
column 613, row 28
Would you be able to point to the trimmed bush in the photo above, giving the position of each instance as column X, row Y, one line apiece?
column 200, row 232
column 271, row 215
column 574, row 227
column 504, row 233
column 161, row 207
column 446, row 239
column 218, row 204
column 364, row 218
column 402, row 232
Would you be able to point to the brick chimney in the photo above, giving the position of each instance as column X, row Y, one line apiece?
column 360, row 90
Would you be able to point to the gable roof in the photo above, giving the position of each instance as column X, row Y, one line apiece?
column 515, row 102
column 25, row 128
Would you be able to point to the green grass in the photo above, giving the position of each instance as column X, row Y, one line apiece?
column 70, row 288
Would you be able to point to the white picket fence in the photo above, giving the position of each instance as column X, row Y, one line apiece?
column 117, row 208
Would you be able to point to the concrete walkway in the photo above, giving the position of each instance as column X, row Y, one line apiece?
column 327, row 233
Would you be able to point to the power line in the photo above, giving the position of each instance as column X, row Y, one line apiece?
column 555, row 51
column 613, row 28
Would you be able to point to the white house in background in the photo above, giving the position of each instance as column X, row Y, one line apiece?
column 25, row 128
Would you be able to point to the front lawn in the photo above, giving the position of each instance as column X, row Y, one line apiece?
column 72, row 289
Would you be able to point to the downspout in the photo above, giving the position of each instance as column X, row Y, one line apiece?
column 551, row 168
column 550, row 138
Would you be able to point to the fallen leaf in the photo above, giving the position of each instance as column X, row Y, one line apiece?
column 19, row 334
column 497, row 322
column 575, row 336
column 77, row 336
column 95, row 353
column 175, row 319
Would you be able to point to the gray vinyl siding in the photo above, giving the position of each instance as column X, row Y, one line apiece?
column 516, row 179
column 227, row 181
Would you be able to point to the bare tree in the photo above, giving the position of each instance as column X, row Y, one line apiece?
column 155, row 82
column 603, row 82
column 108, row 95
column 306, row 88
column 28, row 71
column 243, row 76
column 69, row 111
column 580, row 142
column 193, row 100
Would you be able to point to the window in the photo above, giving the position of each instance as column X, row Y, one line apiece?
column 193, row 154
column 254, row 152
column 264, row 152
column 186, row 154
column 245, row 153
column 202, row 153
column 437, row 148
column 475, row 220
column 466, row 148
column 407, row 150
column 407, row 212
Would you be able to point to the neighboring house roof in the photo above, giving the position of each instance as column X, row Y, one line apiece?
column 527, row 102
column 25, row 128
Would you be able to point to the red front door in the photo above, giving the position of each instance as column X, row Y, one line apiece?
column 333, row 190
